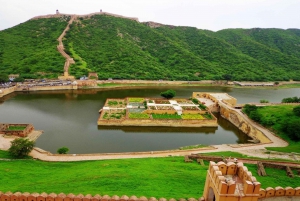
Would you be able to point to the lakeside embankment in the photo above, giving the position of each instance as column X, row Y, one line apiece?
column 125, row 84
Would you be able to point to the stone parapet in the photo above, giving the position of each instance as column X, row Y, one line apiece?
column 9, row 196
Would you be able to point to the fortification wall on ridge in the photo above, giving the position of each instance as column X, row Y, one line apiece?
column 84, row 16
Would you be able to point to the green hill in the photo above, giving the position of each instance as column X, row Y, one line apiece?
column 120, row 48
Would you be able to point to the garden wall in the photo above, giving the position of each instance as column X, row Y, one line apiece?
column 159, row 122
column 21, row 133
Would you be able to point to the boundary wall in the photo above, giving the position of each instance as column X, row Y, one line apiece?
column 5, row 91
column 242, row 123
column 9, row 196
column 47, row 88
column 21, row 133
column 85, row 16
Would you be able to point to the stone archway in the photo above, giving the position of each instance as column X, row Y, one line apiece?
column 211, row 194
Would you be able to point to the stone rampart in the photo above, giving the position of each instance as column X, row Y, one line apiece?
column 46, row 88
column 5, row 91
column 84, row 16
column 231, row 181
column 242, row 123
column 18, row 196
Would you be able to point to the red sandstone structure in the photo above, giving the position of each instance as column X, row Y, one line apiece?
column 28, row 128
column 233, row 182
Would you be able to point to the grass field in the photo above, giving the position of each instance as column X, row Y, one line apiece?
column 16, row 128
column 167, row 177
column 274, row 117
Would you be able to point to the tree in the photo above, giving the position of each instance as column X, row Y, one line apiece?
column 63, row 150
column 19, row 79
column 3, row 78
column 292, row 129
column 21, row 147
column 168, row 94
column 296, row 110
column 249, row 108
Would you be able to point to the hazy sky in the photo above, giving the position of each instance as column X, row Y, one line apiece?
column 203, row 14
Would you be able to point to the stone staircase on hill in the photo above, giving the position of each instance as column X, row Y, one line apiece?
column 61, row 48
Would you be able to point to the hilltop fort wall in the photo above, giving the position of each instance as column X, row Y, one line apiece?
column 84, row 16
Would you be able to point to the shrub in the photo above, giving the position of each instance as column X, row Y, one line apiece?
column 292, row 129
column 249, row 108
column 21, row 147
column 63, row 150
column 291, row 100
column 263, row 101
column 168, row 94
column 296, row 110
column 203, row 107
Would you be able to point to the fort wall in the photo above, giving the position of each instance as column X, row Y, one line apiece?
column 9, row 196
column 233, row 182
column 5, row 91
column 84, row 16
column 46, row 88
column 243, row 123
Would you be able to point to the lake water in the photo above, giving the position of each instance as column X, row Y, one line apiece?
column 69, row 118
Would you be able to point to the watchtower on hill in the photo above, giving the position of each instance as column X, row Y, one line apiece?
column 57, row 12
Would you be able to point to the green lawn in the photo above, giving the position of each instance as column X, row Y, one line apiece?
column 16, row 128
column 168, row 177
column 159, row 177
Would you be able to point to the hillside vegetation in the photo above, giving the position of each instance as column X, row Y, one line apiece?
column 282, row 119
column 30, row 48
column 124, row 49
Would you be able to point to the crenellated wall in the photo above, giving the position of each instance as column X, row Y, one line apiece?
column 233, row 182
column 9, row 196
column 279, row 193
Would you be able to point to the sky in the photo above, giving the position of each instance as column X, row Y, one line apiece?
column 204, row 14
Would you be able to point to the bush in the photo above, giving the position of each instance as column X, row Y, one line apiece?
column 291, row 100
column 63, row 150
column 292, row 129
column 263, row 101
column 3, row 78
column 296, row 110
column 168, row 94
column 21, row 147
column 249, row 108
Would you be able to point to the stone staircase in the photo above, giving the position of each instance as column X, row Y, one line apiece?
column 61, row 48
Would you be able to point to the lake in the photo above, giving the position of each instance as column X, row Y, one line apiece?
column 69, row 118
